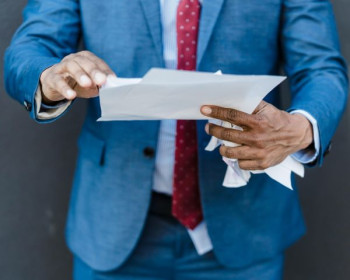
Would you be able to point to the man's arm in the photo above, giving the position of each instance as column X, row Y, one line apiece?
column 43, row 53
column 319, row 85
column 50, row 31
column 314, row 65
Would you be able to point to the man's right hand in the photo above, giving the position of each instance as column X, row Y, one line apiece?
column 77, row 75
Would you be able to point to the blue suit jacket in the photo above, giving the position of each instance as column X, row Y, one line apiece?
column 113, row 179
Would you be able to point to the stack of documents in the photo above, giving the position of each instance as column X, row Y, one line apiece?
column 170, row 94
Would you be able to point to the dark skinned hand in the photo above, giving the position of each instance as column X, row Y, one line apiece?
column 269, row 135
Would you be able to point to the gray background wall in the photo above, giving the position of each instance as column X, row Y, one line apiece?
column 36, row 169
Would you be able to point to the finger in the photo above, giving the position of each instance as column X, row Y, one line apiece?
column 86, row 92
column 242, row 152
column 230, row 115
column 228, row 134
column 62, row 87
column 74, row 70
column 95, row 71
column 253, row 164
column 101, row 63
column 103, row 66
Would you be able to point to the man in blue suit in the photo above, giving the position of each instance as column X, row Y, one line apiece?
column 130, row 216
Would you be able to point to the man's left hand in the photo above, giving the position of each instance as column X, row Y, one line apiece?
column 269, row 135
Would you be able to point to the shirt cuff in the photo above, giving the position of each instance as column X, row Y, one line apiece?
column 48, row 112
column 308, row 155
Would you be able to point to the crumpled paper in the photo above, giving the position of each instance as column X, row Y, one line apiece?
column 236, row 177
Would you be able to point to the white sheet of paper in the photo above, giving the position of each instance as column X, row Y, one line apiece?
column 236, row 177
column 172, row 94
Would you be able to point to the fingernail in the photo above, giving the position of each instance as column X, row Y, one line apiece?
column 85, row 80
column 206, row 128
column 70, row 93
column 206, row 110
column 111, row 76
column 100, row 78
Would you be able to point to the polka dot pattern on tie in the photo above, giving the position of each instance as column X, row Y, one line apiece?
column 186, row 206
column 188, row 13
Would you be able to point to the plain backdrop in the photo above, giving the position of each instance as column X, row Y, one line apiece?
column 36, row 170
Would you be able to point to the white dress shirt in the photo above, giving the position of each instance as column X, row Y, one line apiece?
column 165, row 156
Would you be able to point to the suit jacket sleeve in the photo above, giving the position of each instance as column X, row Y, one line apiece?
column 312, row 60
column 50, row 31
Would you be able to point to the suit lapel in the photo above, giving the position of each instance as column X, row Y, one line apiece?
column 151, row 9
column 209, row 14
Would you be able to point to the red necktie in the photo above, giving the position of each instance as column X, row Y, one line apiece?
column 186, row 206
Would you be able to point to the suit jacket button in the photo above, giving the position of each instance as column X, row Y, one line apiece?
column 27, row 105
column 148, row 152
